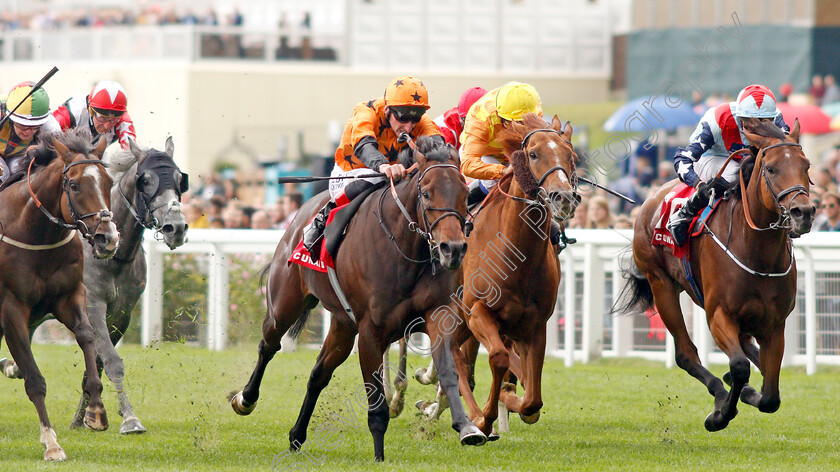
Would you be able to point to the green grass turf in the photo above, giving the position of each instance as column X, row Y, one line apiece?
column 609, row 415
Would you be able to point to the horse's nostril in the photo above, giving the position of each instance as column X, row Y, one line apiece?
column 168, row 228
column 445, row 249
column 99, row 239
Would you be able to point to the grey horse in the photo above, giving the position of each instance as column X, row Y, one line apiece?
column 146, row 195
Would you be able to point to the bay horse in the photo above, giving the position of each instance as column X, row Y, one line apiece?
column 744, row 266
column 40, row 218
column 397, row 268
column 146, row 194
column 511, row 271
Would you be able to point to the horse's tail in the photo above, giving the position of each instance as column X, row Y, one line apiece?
column 636, row 294
column 299, row 324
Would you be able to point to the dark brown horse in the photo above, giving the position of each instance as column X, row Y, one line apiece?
column 393, row 278
column 40, row 217
column 744, row 266
column 511, row 271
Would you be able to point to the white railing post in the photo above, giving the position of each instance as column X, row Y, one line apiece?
column 151, row 326
column 569, row 308
column 593, row 303
column 810, row 313
column 622, row 334
column 702, row 336
column 552, row 337
column 217, row 299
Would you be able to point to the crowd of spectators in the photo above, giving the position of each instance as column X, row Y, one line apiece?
column 98, row 17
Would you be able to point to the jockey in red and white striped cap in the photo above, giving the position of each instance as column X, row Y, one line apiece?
column 719, row 133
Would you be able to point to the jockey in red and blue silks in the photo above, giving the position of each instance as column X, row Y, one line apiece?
column 103, row 110
column 719, row 133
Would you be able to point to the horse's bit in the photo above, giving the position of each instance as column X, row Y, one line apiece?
column 104, row 214
column 426, row 232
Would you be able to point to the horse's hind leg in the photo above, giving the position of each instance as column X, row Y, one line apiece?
column 533, row 355
column 71, row 311
column 727, row 336
column 17, row 337
column 396, row 398
column 115, row 370
column 337, row 346
column 666, row 299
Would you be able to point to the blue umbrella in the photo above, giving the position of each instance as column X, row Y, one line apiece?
column 636, row 116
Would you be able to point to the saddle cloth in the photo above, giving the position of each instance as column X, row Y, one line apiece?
column 672, row 202
column 327, row 246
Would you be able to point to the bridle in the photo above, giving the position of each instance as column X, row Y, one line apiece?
column 542, row 199
column 426, row 231
column 783, row 222
column 104, row 214
column 149, row 221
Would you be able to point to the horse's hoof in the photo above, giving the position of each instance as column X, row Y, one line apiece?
column 493, row 436
column 472, row 436
column 240, row 406
column 55, row 454
column 531, row 419
column 132, row 425
column 420, row 376
column 96, row 419
column 727, row 378
column 77, row 423
column 10, row 369
column 715, row 422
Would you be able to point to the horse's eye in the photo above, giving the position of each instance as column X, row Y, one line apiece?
column 532, row 155
column 74, row 186
column 425, row 195
column 771, row 170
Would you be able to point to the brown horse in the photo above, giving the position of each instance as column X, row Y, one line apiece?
column 40, row 217
column 511, row 271
column 744, row 266
column 394, row 278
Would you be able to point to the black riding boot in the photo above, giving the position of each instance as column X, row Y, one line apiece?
column 315, row 229
column 476, row 194
column 680, row 221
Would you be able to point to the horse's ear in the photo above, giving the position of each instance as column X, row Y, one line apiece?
column 169, row 147
column 755, row 139
column 567, row 131
column 453, row 155
column 419, row 158
column 135, row 149
column 62, row 150
column 99, row 150
column 794, row 132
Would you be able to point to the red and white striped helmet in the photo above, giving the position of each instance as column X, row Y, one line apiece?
column 756, row 101
column 108, row 98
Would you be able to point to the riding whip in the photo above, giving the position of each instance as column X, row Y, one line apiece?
column 611, row 192
column 35, row 87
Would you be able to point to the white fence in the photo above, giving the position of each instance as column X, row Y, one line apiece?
column 591, row 280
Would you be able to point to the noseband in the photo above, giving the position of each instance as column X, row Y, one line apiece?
column 426, row 231
column 104, row 214
column 783, row 221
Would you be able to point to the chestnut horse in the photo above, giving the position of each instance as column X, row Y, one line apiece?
column 397, row 268
column 40, row 217
column 744, row 266
column 511, row 270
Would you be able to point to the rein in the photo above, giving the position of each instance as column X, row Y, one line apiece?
column 104, row 214
column 782, row 223
column 426, row 231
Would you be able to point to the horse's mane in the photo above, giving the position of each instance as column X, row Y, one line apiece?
column 521, row 172
column 429, row 147
column 767, row 130
column 119, row 162
column 76, row 140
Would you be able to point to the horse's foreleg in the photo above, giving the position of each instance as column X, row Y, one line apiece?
column 337, row 346
column 396, row 401
column 533, row 355
column 72, row 312
column 486, row 330
column 370, row 357
column 727, row 336
column 772, row 350
column 14, row 322
column 451, row 375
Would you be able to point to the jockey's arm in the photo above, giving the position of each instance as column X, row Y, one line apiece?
column 124, row 130
column 367, row 150
column 701, row 140
column 51, row 126
column 474, row 140
column 780, row 122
